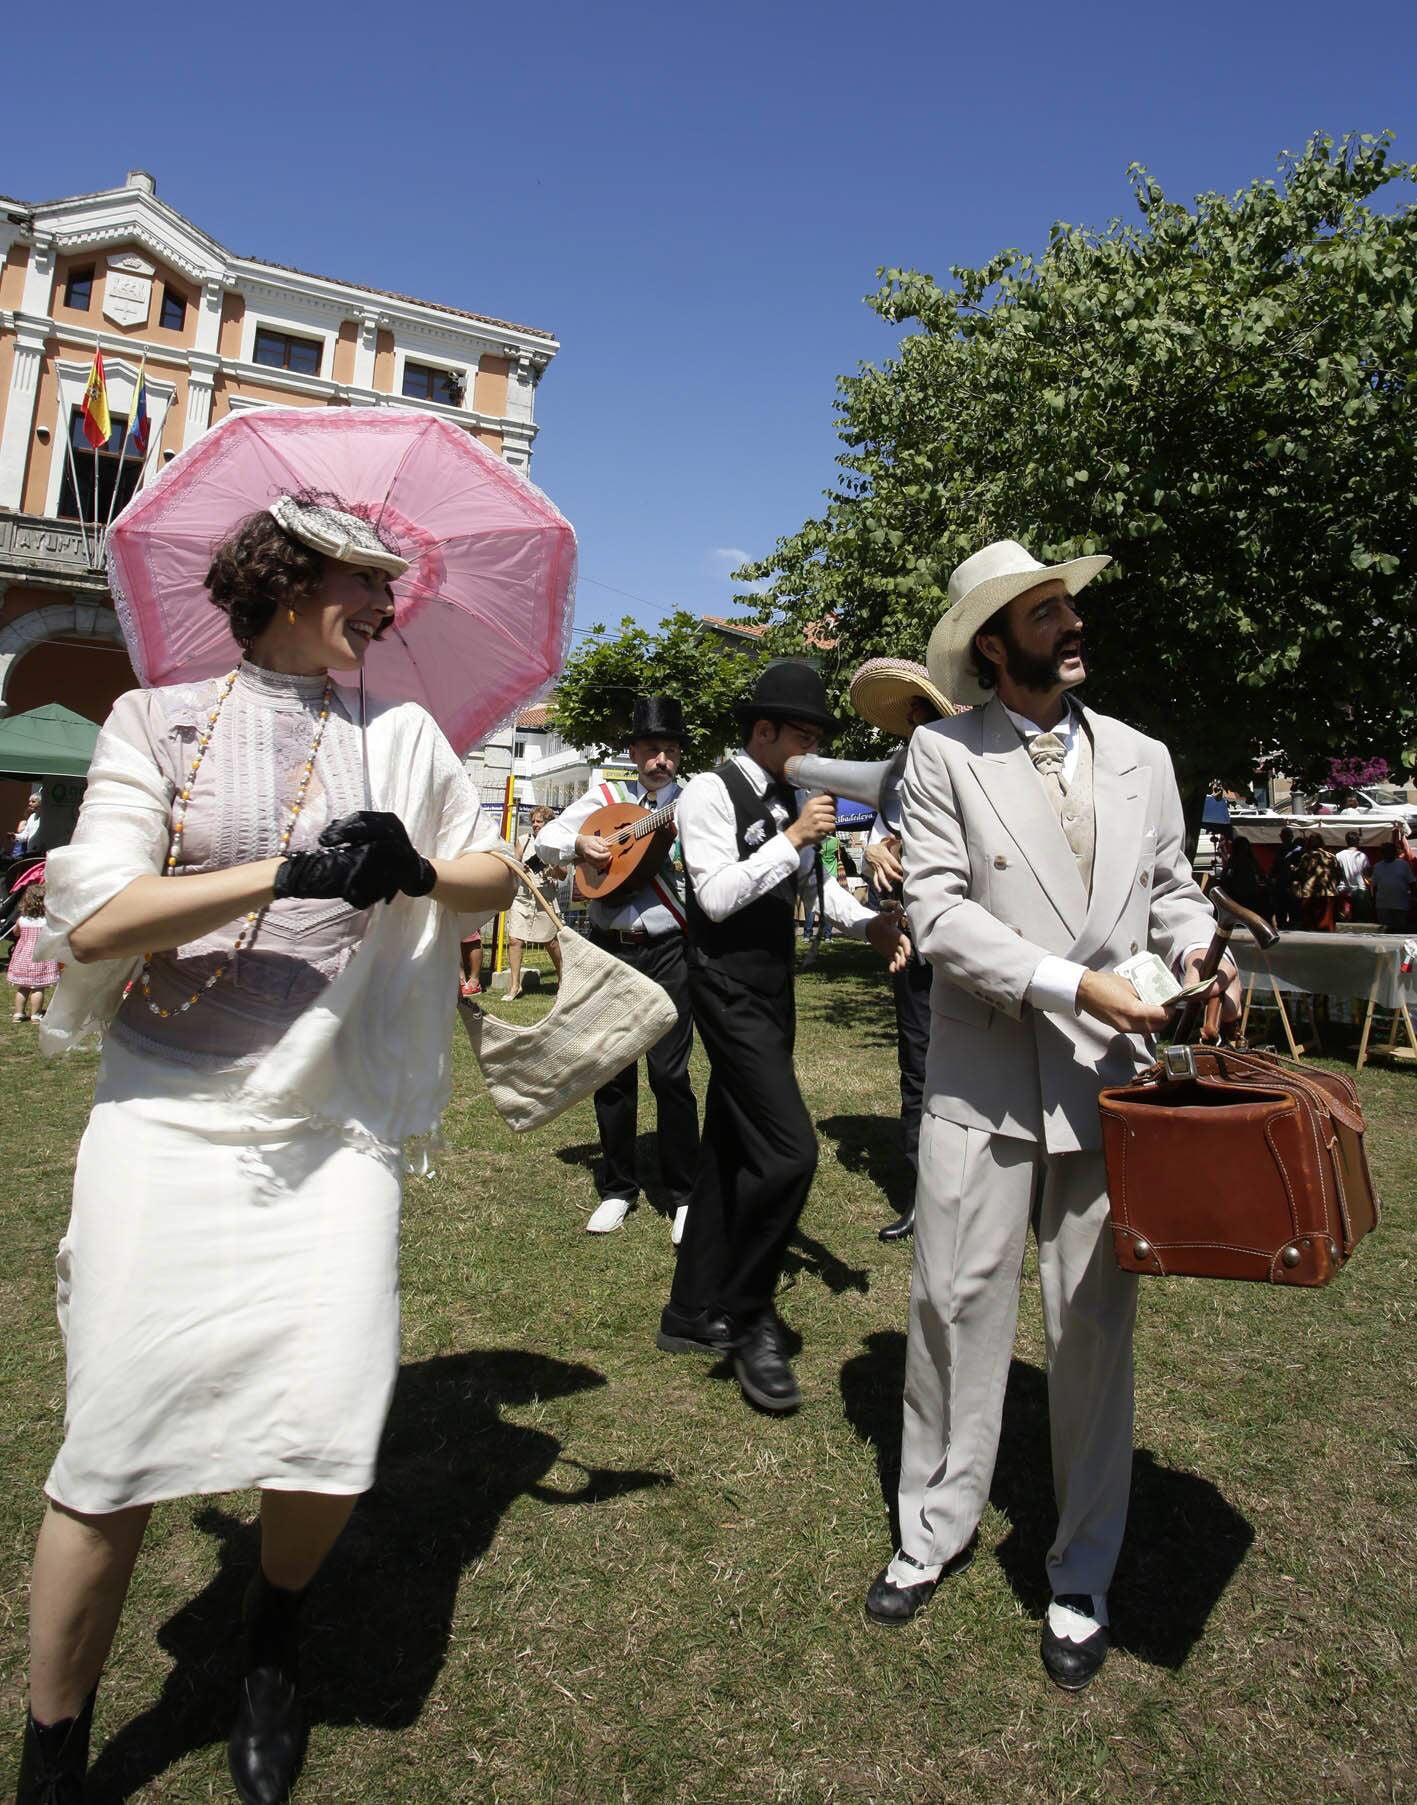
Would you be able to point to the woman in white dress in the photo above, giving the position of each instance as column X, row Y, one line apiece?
column 228, row 1284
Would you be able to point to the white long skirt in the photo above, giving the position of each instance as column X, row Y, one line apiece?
column 228, row 1293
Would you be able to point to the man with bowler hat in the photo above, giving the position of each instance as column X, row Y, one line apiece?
column 750, row 845
column 645, row 928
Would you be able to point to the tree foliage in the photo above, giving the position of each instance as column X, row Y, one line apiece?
column 683, row 658
column 1221, row 397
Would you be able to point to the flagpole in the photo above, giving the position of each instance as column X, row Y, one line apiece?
column 123, row 447
column 68, row 429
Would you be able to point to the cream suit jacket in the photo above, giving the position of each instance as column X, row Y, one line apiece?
column 991, row 885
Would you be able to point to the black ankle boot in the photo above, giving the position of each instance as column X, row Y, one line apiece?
column 55, row 1759
column 267, row 1742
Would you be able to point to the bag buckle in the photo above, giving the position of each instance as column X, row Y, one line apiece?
column 1178, row 1062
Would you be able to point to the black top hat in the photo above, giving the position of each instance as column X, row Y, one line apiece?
column 789, row 690
column 657, row 718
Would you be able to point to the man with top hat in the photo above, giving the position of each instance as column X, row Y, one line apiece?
column 897, row 696
column 645, row 928
column 1042, row 846
column 750, row 843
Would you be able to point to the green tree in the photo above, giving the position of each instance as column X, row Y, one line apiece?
column 1221, row 397
column 682, row 658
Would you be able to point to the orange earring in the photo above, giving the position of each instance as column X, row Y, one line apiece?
column 290, row 615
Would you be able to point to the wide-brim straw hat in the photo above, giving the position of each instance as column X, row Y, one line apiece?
column 883, row 689
column 978, row 588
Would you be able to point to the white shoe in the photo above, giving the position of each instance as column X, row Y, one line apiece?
column 676, row 1228
column 610, row 1214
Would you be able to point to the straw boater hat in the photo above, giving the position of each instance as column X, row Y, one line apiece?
column 883, row 689
column 978, row 589
column 347, row 538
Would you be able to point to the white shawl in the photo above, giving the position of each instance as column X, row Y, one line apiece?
column 371, row 1055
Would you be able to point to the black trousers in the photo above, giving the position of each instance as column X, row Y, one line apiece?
column 759, row 1150
column 617, row 1103
column 912, row 1043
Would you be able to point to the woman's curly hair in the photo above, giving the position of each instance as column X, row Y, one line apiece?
column 257, row 569
column 260, row 567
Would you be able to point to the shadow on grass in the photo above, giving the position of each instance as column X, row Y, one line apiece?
column 870, row 1147
column 1184, row 1539
column 380, row 1615
column 819, row 1262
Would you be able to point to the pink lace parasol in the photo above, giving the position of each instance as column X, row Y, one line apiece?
column 483, row 613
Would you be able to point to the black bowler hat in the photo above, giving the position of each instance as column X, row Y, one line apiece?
column 789, row 690
column 657, row 718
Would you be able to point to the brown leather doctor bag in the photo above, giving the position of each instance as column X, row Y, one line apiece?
column 1229, row 1164
column 1225, row 1162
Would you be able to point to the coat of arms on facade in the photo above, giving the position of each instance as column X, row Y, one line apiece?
column 128, row 290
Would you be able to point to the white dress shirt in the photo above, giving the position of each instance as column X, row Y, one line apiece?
column 640, row 909
column 724, row 883
column 1054, row 984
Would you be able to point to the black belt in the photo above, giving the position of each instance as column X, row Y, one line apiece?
column 631, row 936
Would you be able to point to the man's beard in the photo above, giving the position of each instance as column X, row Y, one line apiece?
column 1035, row 670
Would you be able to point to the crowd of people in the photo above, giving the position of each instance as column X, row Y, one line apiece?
column 1310, row 887
column 272, row 1070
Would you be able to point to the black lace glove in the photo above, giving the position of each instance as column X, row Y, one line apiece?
column 386, row 833
column 358, row 875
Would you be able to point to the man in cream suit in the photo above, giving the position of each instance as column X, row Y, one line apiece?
column 1042, row 846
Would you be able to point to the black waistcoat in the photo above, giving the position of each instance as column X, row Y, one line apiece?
column 756, row 945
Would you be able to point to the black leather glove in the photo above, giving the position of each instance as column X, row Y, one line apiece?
column 375, row 829
column 358, row 875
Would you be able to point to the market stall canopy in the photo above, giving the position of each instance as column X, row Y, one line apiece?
column 51, row 741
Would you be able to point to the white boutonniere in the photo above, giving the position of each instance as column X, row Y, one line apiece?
column 757, row 833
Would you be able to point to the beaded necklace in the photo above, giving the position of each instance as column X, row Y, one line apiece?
column 252, row 921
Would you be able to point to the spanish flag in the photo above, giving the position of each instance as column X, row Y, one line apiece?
column 97, row 425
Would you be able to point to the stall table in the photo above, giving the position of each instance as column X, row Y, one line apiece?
column 1346, row 965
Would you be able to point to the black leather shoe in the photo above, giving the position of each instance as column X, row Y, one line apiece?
column 267, row 1744
column 55, row 1759
column 891, row 1605
column 1073, row 1665
column 903, row 1225
column 694, row 1332
column 761, row 1364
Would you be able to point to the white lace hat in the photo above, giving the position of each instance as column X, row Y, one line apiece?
column 347, row 538
column 978, row 589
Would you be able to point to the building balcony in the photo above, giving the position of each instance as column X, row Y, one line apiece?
column 34, row 548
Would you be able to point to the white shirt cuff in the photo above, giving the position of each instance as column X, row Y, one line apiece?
column 1054, row 985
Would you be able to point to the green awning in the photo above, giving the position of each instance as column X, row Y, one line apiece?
column 51, row 741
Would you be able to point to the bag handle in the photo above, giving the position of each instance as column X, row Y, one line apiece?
column 521, row 871
column 1229, row 916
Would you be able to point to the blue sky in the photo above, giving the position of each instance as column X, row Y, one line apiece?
column 695, row 199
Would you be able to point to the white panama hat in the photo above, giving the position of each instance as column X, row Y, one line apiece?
column 978, row 589
column 347, row 538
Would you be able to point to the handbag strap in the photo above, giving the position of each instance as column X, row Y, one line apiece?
column 542, row 898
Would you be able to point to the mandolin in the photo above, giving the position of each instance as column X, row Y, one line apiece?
column 641, row 839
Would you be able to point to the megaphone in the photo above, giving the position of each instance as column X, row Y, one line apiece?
column 856, row 780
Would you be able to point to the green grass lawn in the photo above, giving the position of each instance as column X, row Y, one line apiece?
column 589, row 1572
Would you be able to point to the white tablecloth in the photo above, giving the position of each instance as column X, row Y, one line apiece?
column 1335, row 965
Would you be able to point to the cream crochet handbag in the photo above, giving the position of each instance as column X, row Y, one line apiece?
column 606, row 1014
